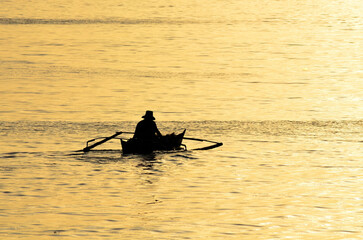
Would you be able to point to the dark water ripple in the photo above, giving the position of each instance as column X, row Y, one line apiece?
column 15, row 21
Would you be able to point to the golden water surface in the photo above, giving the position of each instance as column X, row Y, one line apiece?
column 205, row 60
column 278, row 82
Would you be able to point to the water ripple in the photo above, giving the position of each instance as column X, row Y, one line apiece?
column 10, row 21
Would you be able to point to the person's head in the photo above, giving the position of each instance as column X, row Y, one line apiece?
column 148, row 115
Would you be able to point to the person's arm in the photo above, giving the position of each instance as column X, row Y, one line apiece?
column 157, row 131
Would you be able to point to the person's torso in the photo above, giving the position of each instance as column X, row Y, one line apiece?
column 145, row 130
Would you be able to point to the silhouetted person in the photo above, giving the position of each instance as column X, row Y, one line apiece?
column 146, row 130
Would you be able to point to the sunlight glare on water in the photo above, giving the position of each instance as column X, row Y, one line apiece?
column 278, row 82
column 238, row 61
column 276, row 180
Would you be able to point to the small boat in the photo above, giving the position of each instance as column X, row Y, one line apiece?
column 168, row 142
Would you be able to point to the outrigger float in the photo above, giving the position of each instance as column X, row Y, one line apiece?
column 169, row 142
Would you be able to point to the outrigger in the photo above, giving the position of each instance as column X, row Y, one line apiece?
column 167, row 142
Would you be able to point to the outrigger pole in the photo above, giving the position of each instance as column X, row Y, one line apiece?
column 88, row 148
column 216, row 144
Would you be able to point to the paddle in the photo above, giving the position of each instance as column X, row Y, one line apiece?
column 88, row 148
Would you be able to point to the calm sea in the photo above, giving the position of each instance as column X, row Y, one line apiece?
column 278, row 82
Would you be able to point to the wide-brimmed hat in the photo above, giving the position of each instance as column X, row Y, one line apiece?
column 149, row 115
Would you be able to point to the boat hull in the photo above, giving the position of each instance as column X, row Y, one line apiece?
column 165, row 143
